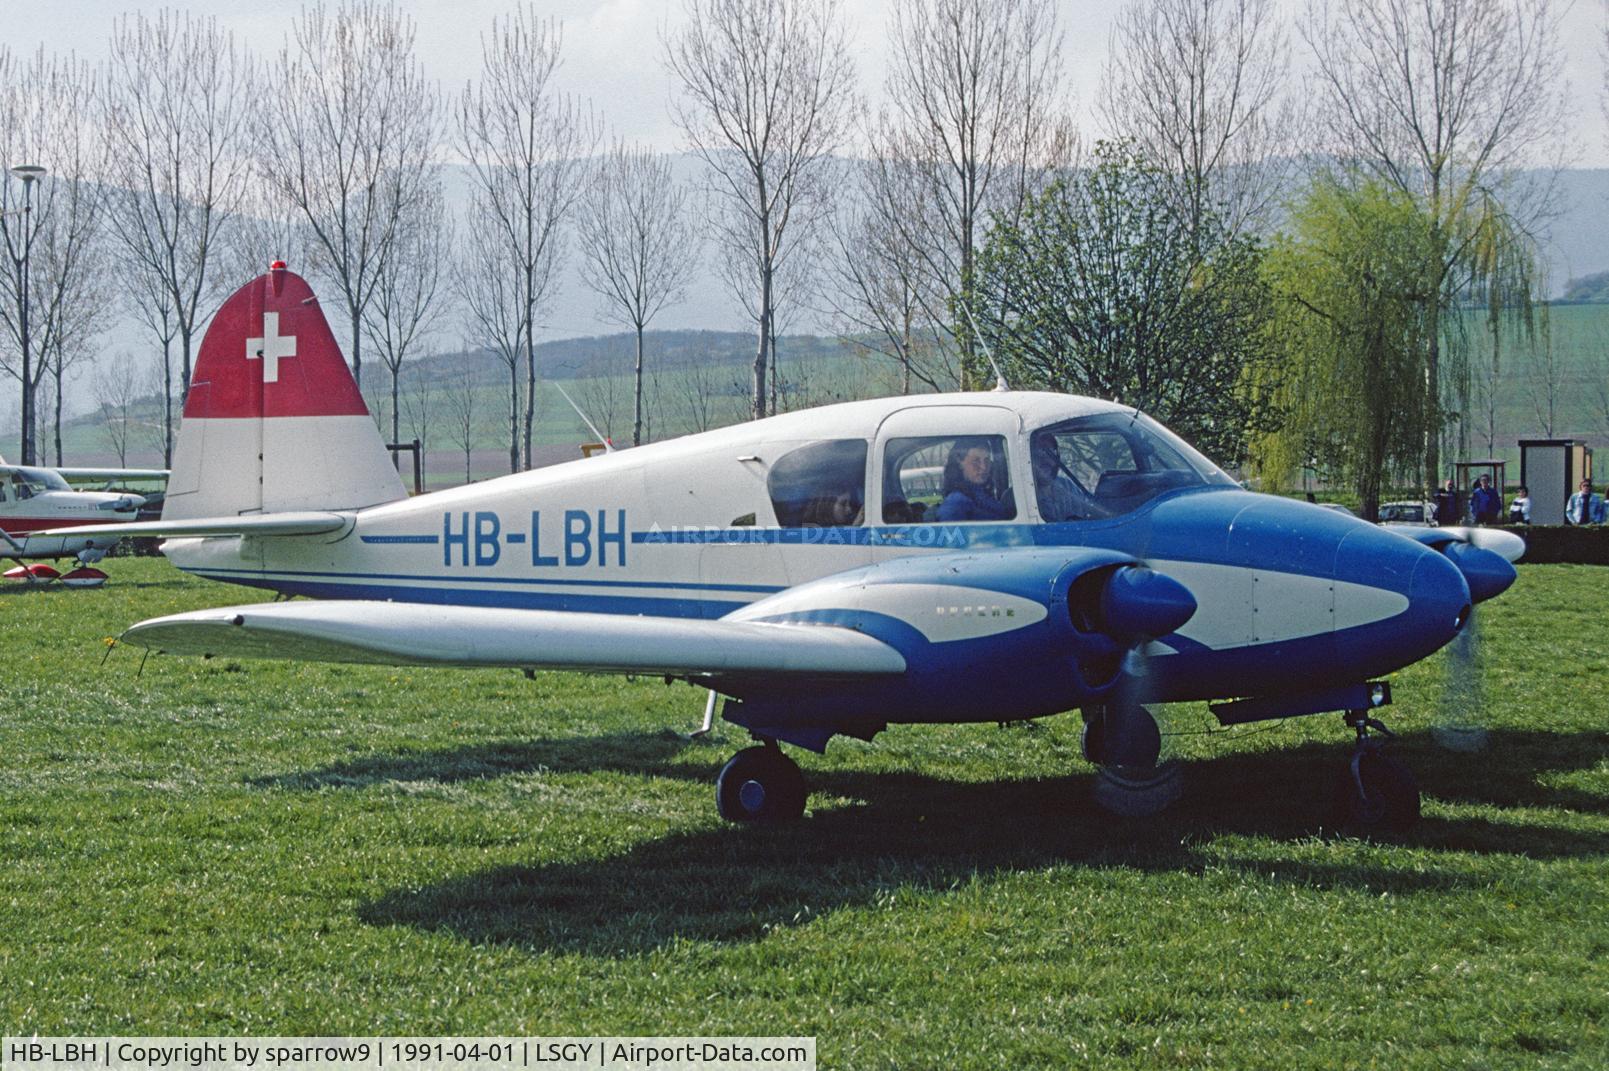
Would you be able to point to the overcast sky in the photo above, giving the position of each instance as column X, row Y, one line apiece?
column 612, row 54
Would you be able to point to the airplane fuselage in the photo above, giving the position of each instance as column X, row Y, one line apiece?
column 83, row 510
column 1288, row 595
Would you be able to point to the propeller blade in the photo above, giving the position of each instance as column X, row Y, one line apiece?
column 1506, row 544
column 1460, row 718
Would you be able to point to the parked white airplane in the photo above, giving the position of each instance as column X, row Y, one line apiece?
column 947, row 558
column 36, row 498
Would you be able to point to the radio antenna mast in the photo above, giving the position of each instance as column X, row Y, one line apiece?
column 608, row 447
column 999, row 376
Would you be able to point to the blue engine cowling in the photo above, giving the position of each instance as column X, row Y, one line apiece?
column 1002, row 635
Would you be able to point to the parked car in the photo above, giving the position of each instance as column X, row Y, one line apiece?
column 1420, row 513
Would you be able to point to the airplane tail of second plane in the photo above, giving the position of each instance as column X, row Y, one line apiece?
column 274, row 421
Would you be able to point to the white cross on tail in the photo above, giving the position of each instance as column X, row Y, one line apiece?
column 271, row 347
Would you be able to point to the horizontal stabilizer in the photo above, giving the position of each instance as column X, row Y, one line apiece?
column 400, row 634
column 310, row 522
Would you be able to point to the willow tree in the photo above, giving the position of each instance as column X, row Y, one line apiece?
column 1443, row 102
column 1353, row 278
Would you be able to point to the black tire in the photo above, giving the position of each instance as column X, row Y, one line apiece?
column 1092, row 739
column 760, row 784
column 1142, row 737
column 1389, row 802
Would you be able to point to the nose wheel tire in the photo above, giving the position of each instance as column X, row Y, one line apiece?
column 1376, row 794
column 760, row 784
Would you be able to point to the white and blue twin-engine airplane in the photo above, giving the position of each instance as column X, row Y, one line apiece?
column 949, row 558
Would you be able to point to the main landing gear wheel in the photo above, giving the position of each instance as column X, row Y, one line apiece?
column 1125, row 742
column 1376, row 793
column 760, row 784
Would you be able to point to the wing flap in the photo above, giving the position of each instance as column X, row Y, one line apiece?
column 311, row 522
column 416, row 634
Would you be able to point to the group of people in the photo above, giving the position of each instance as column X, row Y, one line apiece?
column 1486, row 505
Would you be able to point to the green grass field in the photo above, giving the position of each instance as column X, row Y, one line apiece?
column 219, row 848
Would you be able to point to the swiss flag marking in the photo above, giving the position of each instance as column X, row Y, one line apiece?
column 242, row 370
column 270, row 347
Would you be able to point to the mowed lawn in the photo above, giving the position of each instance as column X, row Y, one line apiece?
column 218, row 847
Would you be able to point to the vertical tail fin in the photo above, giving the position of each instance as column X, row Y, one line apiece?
column 273, row 420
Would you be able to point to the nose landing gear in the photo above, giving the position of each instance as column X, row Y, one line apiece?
column 1375, row 794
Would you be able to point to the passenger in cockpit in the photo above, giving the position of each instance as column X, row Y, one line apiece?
column 843, row 509
column 969, row 493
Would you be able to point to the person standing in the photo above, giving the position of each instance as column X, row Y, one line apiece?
column 1519, row 510
column 1485, row 502
column 1447, row 505
column 1584, row 507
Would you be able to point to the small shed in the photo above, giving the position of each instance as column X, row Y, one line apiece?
column 1550, row 469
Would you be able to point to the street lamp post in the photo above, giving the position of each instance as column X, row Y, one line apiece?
column 29, row 173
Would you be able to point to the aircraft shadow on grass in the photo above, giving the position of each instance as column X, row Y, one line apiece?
column 923, row 833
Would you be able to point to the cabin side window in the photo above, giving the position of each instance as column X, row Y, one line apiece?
column 822, row 485
column 933, row 478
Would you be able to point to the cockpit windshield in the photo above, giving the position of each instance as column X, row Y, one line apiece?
column 1112, row 463
column 29, row 482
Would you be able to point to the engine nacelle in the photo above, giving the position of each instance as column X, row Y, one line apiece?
column 985, row 635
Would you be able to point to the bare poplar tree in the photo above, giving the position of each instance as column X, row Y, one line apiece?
column 406, row 288
column 525, row 142
column 1197, row 88
column 462, row 403
column 638, row 245
column 51, row 223
column 494, row 307
column 157, row 433
column 603, row 398
column 767, row 88
column 1547, row 370
column 177, row 96
column 709, row 396
column 879, row 292
column 266, row 226
column 116, row 388
column 151, row 303
column 81, row 301
column 347, row 133
column 974, row 101
column 1444, row 100
column 421, row 408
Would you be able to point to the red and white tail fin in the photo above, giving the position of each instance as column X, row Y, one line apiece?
column 273, row 421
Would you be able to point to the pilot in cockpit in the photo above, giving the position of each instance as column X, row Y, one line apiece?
column 1059, row 498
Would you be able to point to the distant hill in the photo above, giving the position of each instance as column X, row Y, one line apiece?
column 1587, row 290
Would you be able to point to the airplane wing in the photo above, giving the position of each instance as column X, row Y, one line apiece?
column 88, row 475
column 309, row 522
column 416, row 634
